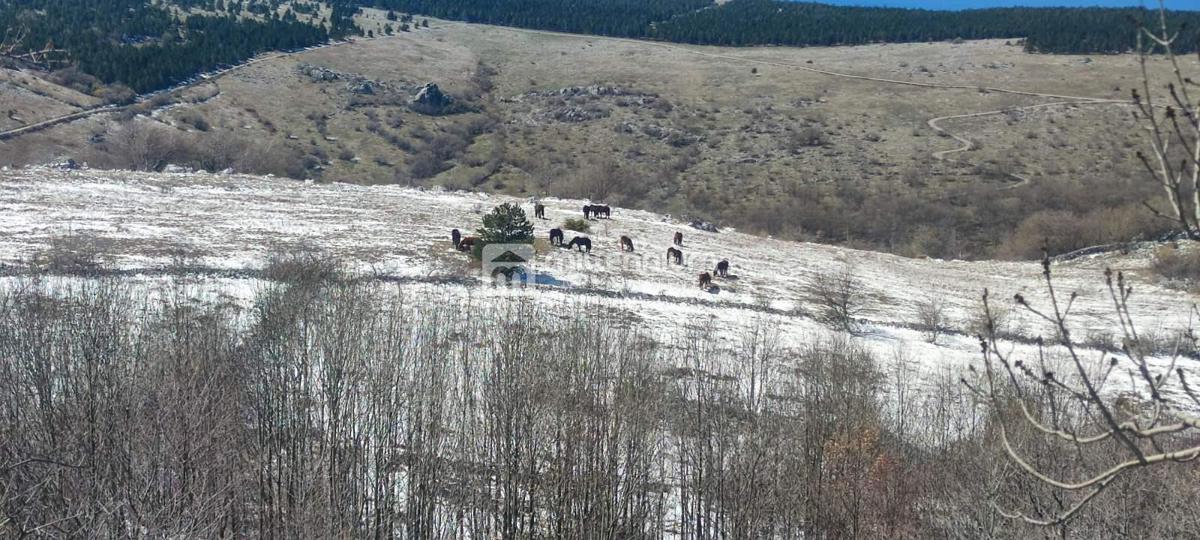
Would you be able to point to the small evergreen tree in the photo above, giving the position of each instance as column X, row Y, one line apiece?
column 506, row 224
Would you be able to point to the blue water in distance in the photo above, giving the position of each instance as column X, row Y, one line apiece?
column 1190, row 5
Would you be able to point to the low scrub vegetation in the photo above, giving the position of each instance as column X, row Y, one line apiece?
column 1178, row 263
column 142, row 146
column 302, row 265
column 577, row 225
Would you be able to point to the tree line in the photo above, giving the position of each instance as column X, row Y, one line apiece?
column 771, row 22
column 1046, row 30
column 146, row 47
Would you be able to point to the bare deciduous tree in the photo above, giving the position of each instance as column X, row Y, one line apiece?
column 840, row 297
column 1174, row 128
column 1075, row 404
column 931, row 318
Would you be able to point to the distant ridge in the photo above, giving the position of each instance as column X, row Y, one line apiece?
column 772, row 22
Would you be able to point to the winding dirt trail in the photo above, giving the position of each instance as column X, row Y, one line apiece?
column 967, row 144
column 932, row 123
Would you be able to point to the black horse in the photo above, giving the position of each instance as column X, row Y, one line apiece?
column 626, row 243
column 587, row 211
column 674, row 255
column 722, row 269
column 455, row 237
column 539, row 211
column 556, row 237
column 584, row 244
column 601, row 211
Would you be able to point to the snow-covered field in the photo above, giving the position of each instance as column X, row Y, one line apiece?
column 230, row 222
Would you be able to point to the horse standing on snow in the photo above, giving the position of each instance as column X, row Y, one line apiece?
column 722, row 269
column 556, row 237
column 582, row 243
column 674, row 255
column 626, row 243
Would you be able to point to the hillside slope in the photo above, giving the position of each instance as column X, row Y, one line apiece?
column 225, row 226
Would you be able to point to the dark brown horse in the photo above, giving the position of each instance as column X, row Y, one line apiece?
column 626, row 243
column 584, row 244
column 467, row 243
column 455, row 236
column 674, row 254
column 678, row 238
column 722, row 269
column 539, row 211
column 705, row 281
column 556, row 237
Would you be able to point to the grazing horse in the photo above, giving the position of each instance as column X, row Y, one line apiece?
column 584, row 244
column 674, row 254
column 678, row 238
column 539, row 210
column 722, row 269
column 556, row 237
column 587, row 211
column 601, row 211
column 467, row 243
column 455, row 236
column 626, row 243
column 705, row 281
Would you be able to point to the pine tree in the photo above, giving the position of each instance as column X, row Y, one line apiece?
column 506, row 224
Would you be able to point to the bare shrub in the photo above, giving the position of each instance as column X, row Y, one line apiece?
column 115, row 94
column 427, row 164
column 141, row 146
column 840, row 298
column 807, row 136
column 272, row 157
column 302, row 265
column 1062, row 231
column 931, row 318
column 195, row 119
column 607, row 181
column 1175, row 263
column 73, row 254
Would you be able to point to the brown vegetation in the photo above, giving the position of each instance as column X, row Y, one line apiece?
column 332, row 411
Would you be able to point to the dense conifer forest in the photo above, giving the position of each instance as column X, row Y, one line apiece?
column 1046, row 30
column 149, row 47
column 772, row 22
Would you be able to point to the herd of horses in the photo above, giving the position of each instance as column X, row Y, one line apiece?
column 584, row 244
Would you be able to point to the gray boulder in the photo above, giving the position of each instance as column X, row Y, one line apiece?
column 431, row 100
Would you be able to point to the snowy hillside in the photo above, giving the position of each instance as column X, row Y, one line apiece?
column 144, row 221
